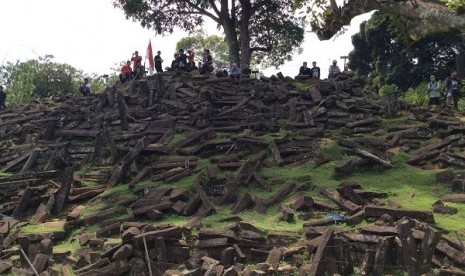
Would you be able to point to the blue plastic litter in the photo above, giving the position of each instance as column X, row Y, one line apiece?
column 335, row 217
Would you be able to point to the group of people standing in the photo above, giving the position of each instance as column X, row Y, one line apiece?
column 182, row 61
column 451, row 91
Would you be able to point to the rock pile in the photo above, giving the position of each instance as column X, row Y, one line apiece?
column 59, row 154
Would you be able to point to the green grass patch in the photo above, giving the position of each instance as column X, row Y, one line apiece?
column 271, row 220
column 121, row 190
column 33, row 228
column 172, row 219
column 413, row 188
column 177, row 137
column 387, row 123
column 65, row 246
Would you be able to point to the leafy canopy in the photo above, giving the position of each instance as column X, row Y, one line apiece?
column 386, row 57
column 266, row 29
column 40, row 78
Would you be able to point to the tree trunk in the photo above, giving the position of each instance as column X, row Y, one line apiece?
column 228, row 22
column 460, row 62
column 245, row 33
column 233, row 44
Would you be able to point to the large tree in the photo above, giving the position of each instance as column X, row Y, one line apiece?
column 383, row 54
column 421, row 17
column 268, row 27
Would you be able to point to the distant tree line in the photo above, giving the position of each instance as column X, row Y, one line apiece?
column 34, row 79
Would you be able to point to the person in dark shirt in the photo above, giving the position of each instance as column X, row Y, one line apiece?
column 85, row 87
column 2, row 98
column 182, row 59
column 315, row 71
column 304, row 70
column 158, row 62
column 246, row 72
column 174, row 63
column 207, row 65
column 452, row 87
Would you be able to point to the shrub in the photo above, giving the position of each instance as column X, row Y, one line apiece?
column 417, row 95
column 387, row 89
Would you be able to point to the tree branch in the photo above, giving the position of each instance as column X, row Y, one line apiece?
column 261, row 49
column 201, row 10
column 214, row 7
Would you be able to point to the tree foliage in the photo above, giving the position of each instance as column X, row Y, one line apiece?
column 381, row 53
column 40, row 78
column 33, row 79
column 266, row 28
column 421, row 17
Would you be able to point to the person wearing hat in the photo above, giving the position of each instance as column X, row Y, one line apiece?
column 333, row 70
column 2, row 98
column 434, row 94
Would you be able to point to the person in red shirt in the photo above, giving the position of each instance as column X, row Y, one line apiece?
column 137, row 65
column 126, row 72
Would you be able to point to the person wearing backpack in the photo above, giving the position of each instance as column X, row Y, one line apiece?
column 452, row 88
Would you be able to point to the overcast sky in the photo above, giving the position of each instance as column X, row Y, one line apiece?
column 92, row 35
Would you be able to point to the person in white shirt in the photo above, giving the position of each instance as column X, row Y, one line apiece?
column 333, row 70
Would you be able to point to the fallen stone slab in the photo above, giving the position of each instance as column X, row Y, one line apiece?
column 416, row 159
column 370, row 156
column 5, row 266
column 453, row 198
column 323, row 255
column 339, row 200
column 243, row 202
column 376, row 211
column 173, row 232
column 281, row 194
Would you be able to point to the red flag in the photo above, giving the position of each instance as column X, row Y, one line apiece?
column 149, row 55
